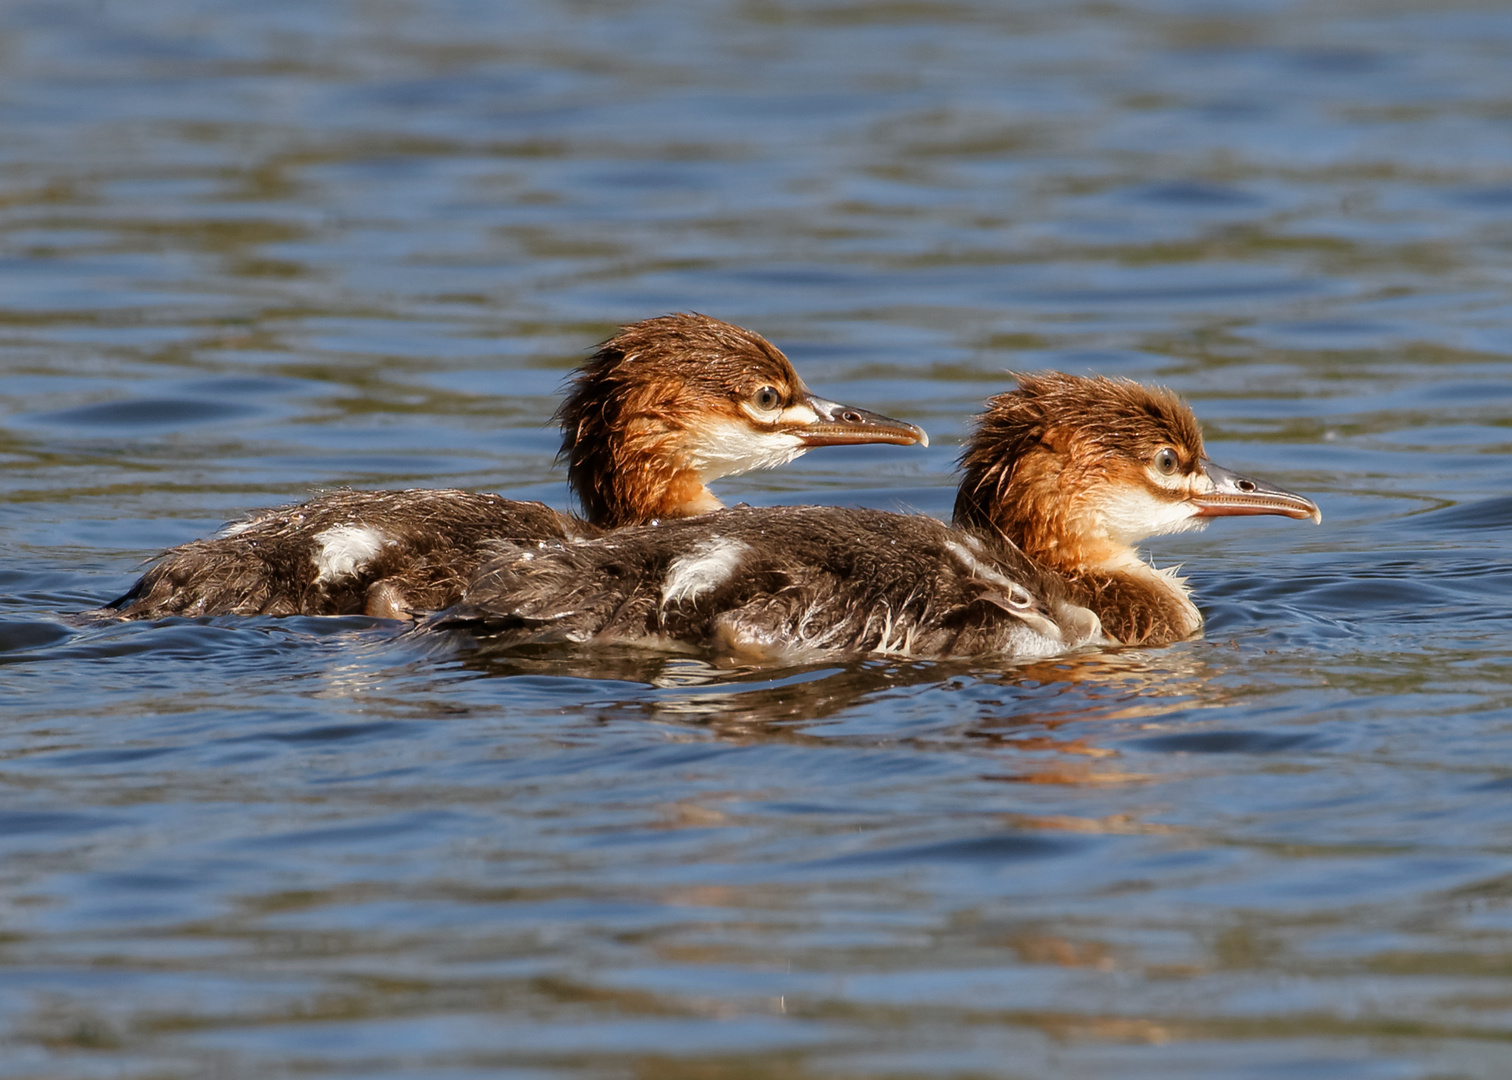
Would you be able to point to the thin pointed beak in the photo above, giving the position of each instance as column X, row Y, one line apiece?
column 1238, row 496
column 845, row 425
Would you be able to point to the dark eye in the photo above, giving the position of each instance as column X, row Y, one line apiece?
column 1165, row 462
column 766, row 399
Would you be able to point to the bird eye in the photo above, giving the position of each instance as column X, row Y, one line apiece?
column 1165, row 461
column 766, row 399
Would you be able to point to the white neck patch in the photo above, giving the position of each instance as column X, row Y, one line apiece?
column 1133, row 514
column 729, row 448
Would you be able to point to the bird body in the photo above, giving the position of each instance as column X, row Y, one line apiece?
column 381, row 553
column 789, row 583
column 662, row 409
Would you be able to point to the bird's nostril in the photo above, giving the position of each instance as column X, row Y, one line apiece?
column 851, row 417
column 1246, row 485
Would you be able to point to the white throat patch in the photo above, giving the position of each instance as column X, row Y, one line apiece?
column 1132, row 515
column 730, row 448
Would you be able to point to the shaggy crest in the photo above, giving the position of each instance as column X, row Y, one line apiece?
column 629, row 409
column 1027, row 436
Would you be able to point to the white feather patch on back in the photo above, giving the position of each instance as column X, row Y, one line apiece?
column 707, row 566
column 345, row 549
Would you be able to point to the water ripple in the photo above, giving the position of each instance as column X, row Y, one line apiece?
column 249, row 251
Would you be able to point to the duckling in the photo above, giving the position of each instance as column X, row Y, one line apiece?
column 662, row 409
column 1077, row 470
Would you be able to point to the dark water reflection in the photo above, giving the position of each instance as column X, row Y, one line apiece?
column 250, row 250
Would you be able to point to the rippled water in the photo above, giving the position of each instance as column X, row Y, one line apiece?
column 252, row 250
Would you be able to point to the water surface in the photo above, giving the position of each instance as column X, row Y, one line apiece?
column 248, row 251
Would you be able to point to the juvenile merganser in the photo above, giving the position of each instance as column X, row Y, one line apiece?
column 1077, row 470
column 1072, row 471
column 663, row 408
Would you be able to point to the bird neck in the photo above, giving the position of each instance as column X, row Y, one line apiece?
column 638, row 477
column 1137, row 603
column 1054, row 521
column 678, row 493
column 1140, row 605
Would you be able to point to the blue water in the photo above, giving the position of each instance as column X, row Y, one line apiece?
column 248, row 251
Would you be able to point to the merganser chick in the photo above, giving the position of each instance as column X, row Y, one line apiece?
column 663, row 408
column 1072, row 471
column 786, row 583
column 1075, row 471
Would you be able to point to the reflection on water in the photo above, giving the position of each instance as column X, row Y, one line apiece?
column 248, row 251
column 898, row 702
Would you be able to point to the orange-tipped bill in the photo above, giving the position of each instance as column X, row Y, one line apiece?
column 824, row 423
column 1239, row 496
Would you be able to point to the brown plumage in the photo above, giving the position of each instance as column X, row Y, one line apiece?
column 382, row 553
column 1062, row 477
column 787, row 583
column 660, row 410
column 1078, row 470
